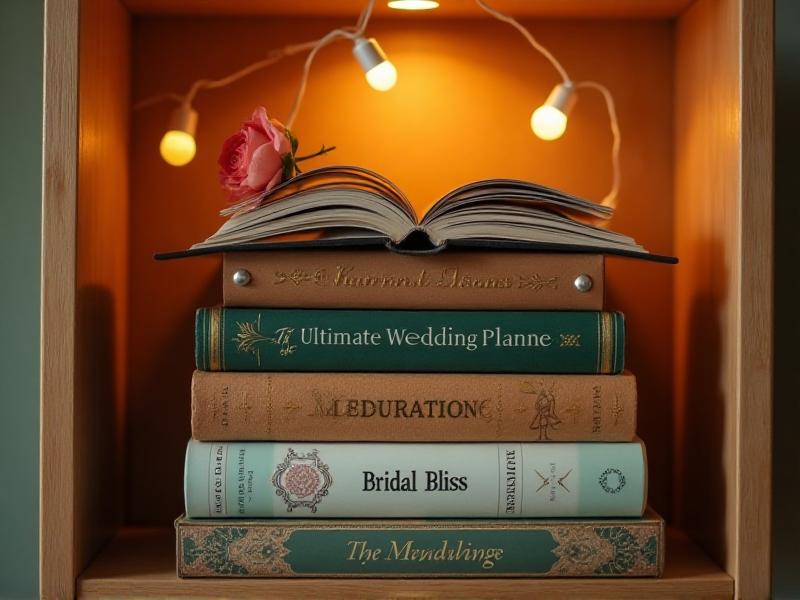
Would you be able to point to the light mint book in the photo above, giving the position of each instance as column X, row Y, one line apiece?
column 436, row 480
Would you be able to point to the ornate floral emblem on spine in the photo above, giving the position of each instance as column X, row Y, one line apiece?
column 613, row 551
column 235, row 551
column 249, row 338
column 302, row 480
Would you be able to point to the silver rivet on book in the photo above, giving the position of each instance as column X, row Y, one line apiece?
column 242, row 278
column 583, row 283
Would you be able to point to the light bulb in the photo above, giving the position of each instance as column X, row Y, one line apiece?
column 413, row 4
column 381, row 73
column 382, row 77
column 549, row 121
column 178, row 146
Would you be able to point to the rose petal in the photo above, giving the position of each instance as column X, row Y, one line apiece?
column 259, row 119
column 264, row 164
column 231, row 147
column 276, row 179
column 255, row 139
column 280, row 141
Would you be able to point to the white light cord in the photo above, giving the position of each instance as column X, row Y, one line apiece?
column 611, row 198
column 349, row 33
column 352, row 33
column 272, row 57
column 528, row 36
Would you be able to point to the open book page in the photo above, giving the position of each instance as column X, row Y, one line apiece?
column 514, row 210
column 327, row 198
column 524, row 193
column 523, row 225
column 337, row 177
column 339, row 201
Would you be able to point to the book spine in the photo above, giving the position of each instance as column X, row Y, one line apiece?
column 242, row 339
column 381, row 279
column 565, row 548
column 490, row 480
column 418, row 407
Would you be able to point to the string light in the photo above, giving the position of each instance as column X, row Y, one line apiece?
column 381, row 74
column 549, row 121
column 178, row 146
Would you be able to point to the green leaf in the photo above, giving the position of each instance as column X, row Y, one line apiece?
column 288, row 166
column 293, row 141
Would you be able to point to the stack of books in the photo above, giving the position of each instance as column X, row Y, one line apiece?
column 363, row 412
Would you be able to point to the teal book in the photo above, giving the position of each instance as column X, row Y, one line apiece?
column 426, row 480
column 427, row 548
column 242, row 339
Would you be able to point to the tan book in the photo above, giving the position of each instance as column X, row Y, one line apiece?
column 377, row 278
column 413, row 407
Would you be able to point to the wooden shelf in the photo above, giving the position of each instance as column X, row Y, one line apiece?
column 692, row 80
column 141, row 563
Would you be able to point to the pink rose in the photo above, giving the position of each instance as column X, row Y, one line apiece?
column 251, row 161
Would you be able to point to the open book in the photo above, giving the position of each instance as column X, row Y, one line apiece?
column 349, row 205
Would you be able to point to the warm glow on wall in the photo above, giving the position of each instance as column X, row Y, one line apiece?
column 548, row 121
column 413, row 4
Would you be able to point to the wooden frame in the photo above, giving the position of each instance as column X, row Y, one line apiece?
column 59, row 561
column 724, row 78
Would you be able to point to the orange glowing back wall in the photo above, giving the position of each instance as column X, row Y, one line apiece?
column 460, row 111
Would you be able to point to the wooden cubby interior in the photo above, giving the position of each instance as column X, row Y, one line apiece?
column 691, row 80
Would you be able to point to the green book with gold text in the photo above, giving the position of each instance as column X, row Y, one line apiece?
column 421, row 548
column 247, row 339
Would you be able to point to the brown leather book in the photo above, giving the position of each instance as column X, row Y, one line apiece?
column 456, row 279
column 412, row 407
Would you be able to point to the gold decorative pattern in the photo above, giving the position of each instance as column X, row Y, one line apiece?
column 537, row 282
column 613, row 550
column 617, row 409
column 235, row 551
column 250, row 337
column 579, row 551
column 570, row 340
column 299, row 276
column 263, row 551
column 607, row 342
column 214, row 318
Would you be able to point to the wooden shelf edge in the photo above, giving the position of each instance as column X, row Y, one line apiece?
column 141, row 563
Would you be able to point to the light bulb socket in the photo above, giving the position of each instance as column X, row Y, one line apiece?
column 184, row 118
column 563, row 97
column 368, row 53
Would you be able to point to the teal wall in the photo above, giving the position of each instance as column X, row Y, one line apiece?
column 20, row 224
